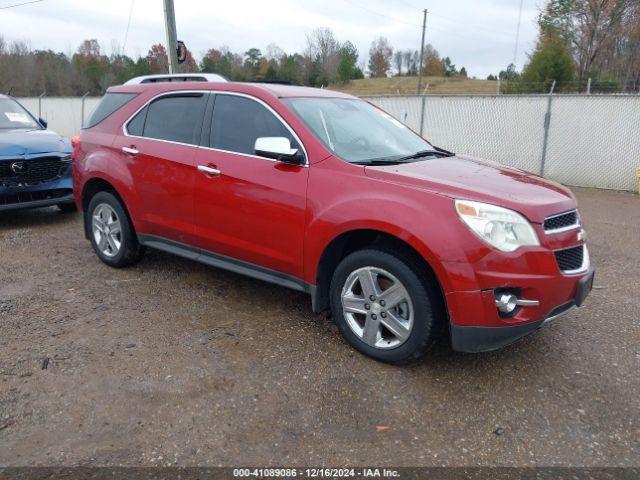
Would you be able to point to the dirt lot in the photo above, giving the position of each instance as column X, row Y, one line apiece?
column 172, row 362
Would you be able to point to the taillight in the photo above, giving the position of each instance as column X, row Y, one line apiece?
column 75, row 143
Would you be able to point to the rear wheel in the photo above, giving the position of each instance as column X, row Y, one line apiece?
column 384, row 306
column 111, row 233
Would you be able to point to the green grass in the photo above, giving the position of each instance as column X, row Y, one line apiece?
column 409, row 86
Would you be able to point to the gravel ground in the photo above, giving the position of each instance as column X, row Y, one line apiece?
column 172, row 362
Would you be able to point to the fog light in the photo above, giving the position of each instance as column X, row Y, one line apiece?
column 506, row 302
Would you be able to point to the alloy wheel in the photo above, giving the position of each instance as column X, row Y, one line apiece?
column 107, row 231
column 377, row 307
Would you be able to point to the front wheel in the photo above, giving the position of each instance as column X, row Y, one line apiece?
column 384, row 306
column 111, row 233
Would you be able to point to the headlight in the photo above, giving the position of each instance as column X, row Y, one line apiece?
column 500, row 227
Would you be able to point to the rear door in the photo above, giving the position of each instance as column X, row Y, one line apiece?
column 252, row 208
column 160, row 143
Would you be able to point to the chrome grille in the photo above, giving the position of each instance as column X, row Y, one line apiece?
column 563, row 221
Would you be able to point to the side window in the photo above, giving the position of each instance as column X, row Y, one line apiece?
column 136, row 124
column 239, row 121
column 177, row 118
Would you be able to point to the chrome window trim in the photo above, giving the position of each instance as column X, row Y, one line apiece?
column 216, row 92
column 586, row 262
column 576, row 225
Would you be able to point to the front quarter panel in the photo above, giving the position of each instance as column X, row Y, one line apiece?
column 342, row 198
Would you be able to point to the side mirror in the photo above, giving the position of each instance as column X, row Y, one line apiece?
column 278, row 148
column 43, row 122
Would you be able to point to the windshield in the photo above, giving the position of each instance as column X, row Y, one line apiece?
column 355, row 130
column 14, row 116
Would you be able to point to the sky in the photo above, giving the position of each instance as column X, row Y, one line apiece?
column 477, row 34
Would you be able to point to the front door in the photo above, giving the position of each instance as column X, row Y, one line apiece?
column 249, row 207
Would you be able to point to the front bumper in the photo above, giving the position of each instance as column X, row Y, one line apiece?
column 44, row 198
column 473, row 339
column 55, row 192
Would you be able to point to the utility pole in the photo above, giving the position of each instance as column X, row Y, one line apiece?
column 424, row 28
column 172, row 42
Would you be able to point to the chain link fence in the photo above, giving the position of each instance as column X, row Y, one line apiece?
column 579, row 140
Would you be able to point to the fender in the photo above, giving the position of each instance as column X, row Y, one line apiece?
column 100, row 165
column 326, row 226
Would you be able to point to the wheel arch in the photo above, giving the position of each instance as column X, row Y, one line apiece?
column 357, row 239
column 92, row 187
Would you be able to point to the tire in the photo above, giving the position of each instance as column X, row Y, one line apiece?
column 120, row 250
column 67, row 207
column 417, row 319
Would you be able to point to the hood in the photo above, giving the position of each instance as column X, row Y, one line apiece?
column 468, row 178
column 17, row 143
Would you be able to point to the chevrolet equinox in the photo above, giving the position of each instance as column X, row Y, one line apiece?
column 325, row 193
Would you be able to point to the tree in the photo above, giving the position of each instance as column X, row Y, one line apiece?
column 291, row 68
column 157, row 58
column 189, row 65
column 510, row 74
column 463, row 72
column 550, row 61
column 380, row 55
column 448, row 68
column 274, row 52
column 91, row 65
column 324, row 56
column 398, row 60
column 411, row 61
column 252, row 59
column 432, row 65
column 348, row 55
column 598, row 33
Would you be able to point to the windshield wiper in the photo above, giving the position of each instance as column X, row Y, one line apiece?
column 437, row 152
column 379, row 161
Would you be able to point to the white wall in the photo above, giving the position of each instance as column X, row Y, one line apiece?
column 64, row 114
column 594, row 141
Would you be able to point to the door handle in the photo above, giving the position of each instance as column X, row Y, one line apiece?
column 208, row 170
column 130, row 150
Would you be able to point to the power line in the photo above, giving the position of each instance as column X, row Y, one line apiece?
column 20, row 4
column 126, row 34
column 472, row 25
column 382, row 14
column 450, row 31
column 409, row 5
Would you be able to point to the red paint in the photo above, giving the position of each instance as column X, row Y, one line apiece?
column 283, row 216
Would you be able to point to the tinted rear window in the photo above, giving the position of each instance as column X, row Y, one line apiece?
column 136, row 125
column 109, row 104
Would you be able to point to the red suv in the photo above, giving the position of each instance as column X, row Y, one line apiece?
column 325, row 193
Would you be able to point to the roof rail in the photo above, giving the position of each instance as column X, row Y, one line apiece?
column 278, row 82
column 179, row 77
